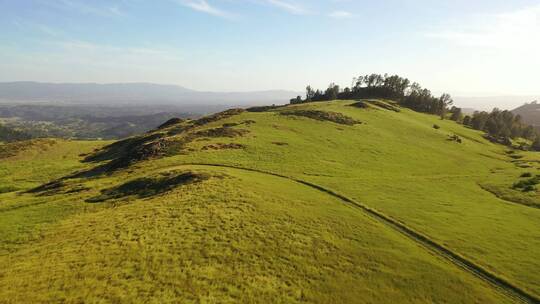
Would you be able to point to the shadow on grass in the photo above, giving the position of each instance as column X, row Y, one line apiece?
column 149, row 186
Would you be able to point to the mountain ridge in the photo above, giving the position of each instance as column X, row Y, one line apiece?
column 136, row 92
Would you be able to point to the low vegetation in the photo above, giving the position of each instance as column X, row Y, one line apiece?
column 360, row 104
column 527, row 185
column 180, row 227
column 387, row 105
column 323, row 116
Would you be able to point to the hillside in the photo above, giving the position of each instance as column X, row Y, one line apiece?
column 530, row 113
column 338, row 201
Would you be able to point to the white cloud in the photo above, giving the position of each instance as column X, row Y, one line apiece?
column 85, row 8
column 290, row 7
column 92, row 52
column 204, row 7
column 83, row 61
column 340, row 14
column 517, row 29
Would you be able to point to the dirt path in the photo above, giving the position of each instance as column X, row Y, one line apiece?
column 502, row 285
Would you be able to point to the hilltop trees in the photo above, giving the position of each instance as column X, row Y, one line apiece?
column 332, row 92
column 309, row 94
column 384, row 86
column 500, row 124
column 296, row 100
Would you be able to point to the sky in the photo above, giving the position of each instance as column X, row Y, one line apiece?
column 464, row 47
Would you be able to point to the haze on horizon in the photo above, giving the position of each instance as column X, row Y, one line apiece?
column 485, row 48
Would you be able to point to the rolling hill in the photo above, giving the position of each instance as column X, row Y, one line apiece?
column 530, row 113
column 318, row 202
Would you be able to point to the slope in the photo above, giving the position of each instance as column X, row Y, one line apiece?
column 246, row 236
column 529, row 112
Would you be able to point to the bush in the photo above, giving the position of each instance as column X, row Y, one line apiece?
column 528, row 184
column 455, row 138
column 436, row 127
column 384, row 105
column 360, row 105
column 529, row 188
column 323, row 116
column 526, row 174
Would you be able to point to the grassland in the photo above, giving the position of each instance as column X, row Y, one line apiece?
column 252, row 237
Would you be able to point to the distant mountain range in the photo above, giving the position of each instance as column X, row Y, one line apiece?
column 133, row 93
column 489, row 102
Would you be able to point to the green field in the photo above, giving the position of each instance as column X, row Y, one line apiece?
column 127, row 235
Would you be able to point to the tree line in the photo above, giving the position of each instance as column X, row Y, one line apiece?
column 410, row 95
column 8, row 134
column 500, row 126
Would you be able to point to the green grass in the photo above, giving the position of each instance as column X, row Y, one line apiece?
column 231, row 239
column 248, row 237
column 38, row 161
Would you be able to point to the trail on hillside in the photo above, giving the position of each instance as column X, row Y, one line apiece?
column 501, row 284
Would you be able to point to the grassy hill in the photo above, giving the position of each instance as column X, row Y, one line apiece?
column 530, row 113
column 320, row 202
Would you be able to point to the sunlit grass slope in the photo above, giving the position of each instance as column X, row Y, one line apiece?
column 112, row 234
column 237, row 237
column 28, row 164
column 399, row 164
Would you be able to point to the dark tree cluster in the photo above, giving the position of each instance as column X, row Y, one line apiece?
column 501, row 125
column 9, row 134
column 408, row 94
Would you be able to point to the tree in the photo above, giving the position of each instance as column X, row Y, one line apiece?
column 456, row 114
column 479, row 119
column 296, row 100
column 528, row 132
column 536, row 144
column 332, row 92
column 309, row 93
column 467, row 120
column 444, row 101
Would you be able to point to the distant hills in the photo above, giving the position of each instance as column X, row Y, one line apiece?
column 487, row 103
column 133, row 93
column 530, row 113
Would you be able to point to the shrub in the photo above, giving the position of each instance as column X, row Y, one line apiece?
column 323, row 116
column 221, row 132
column 360, row 104
column 527, row 184
column 526, row 174
column 529, row 188
column 384, row 105
column 455, row 138
column 436, row 127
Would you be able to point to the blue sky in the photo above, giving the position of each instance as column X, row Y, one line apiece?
column 481, row 47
